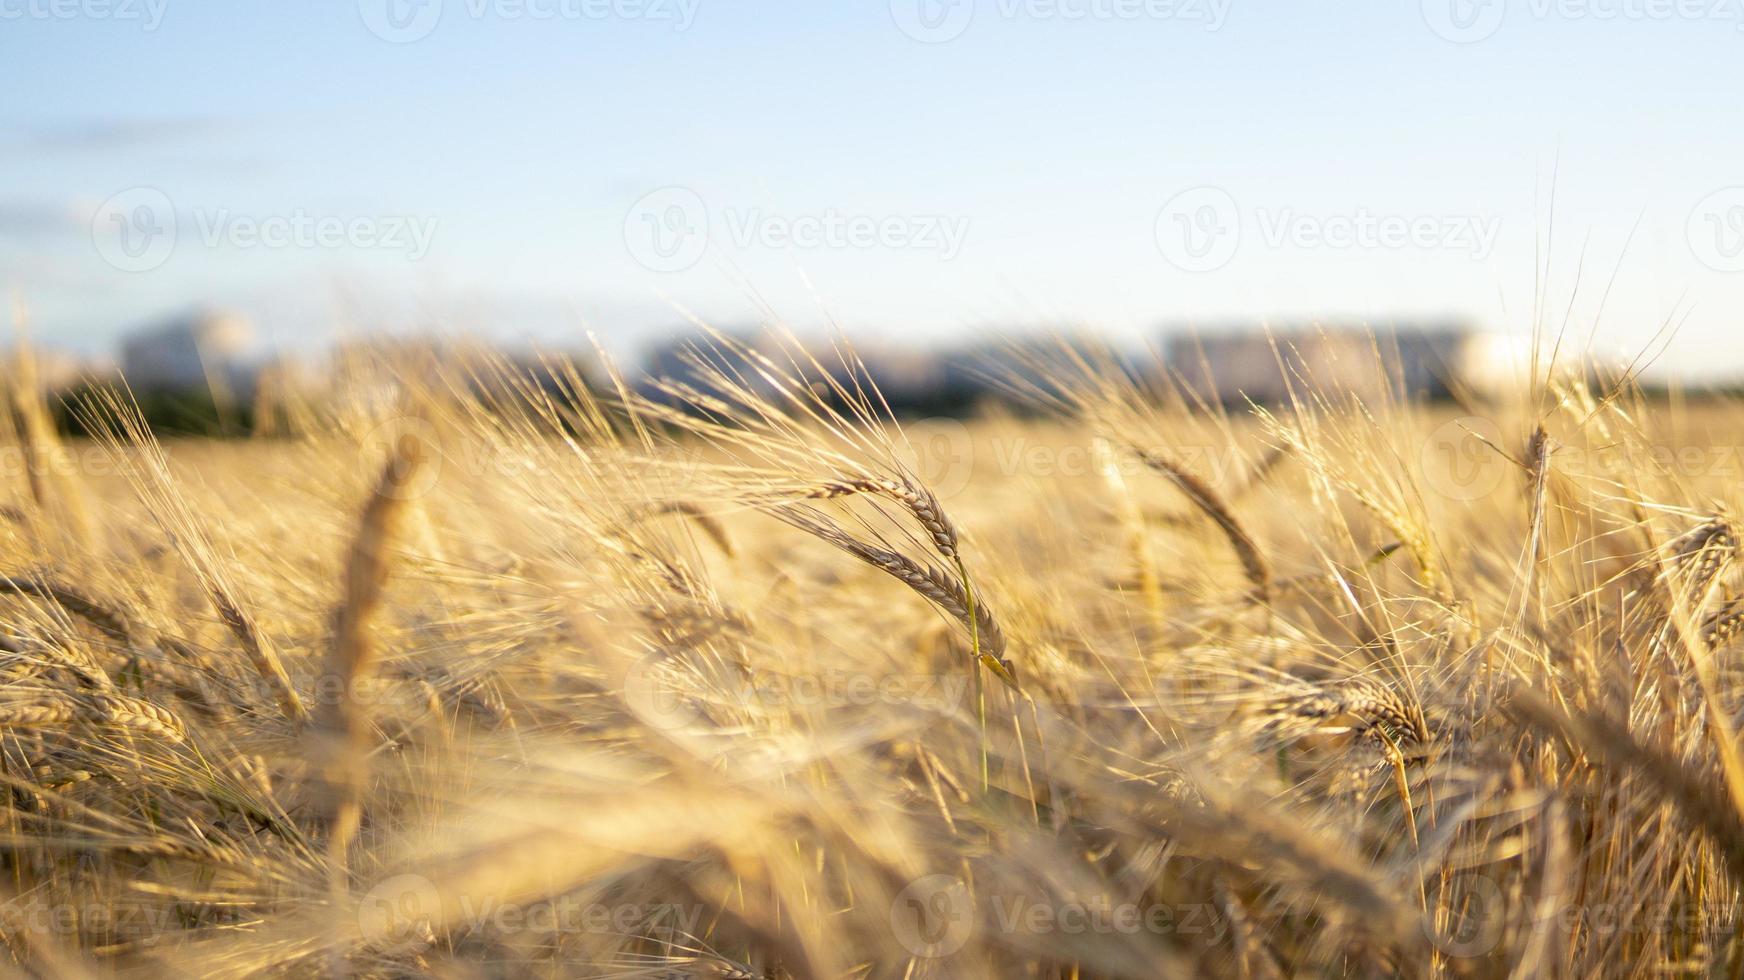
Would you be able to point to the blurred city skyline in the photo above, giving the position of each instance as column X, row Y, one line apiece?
column 917, row 170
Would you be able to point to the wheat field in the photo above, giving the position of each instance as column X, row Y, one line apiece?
column 460, row 675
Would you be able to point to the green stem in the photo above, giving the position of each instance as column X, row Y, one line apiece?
column 975, row 669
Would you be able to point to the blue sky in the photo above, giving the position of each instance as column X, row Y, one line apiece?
column 914, row 170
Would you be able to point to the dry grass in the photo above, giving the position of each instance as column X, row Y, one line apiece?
column 474, row 677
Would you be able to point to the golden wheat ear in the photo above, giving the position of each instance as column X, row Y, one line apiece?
column 119, row 427
column 944, row 590
column 1203, row 496
column 344, row 723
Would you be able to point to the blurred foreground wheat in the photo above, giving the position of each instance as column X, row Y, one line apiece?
column 471, row 675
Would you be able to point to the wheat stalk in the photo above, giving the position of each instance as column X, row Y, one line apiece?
column 344, row 723
column 930, row 582
column 1203, row 496
column 139, row 715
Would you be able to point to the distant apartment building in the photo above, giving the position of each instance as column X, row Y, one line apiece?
column 902, row 375
column 910, row 380
column 1227, row 366
column 198, row 350
column 1230, row 366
